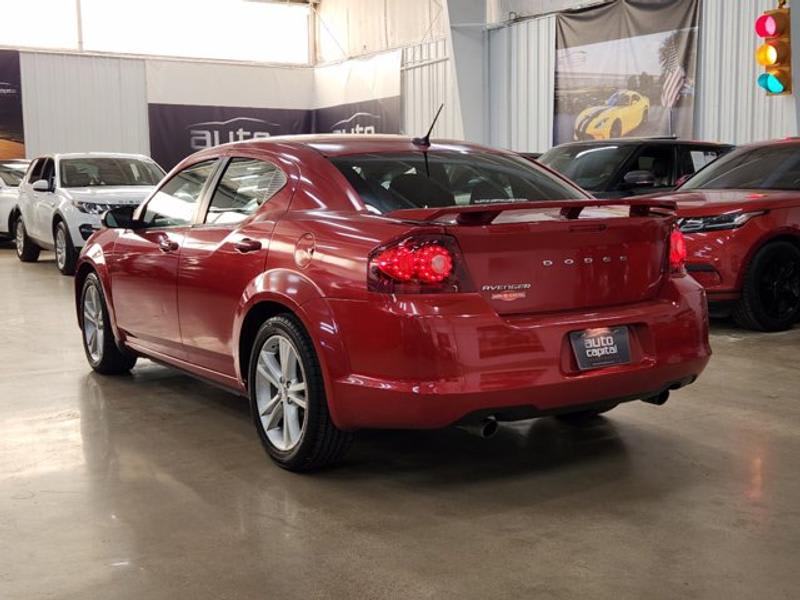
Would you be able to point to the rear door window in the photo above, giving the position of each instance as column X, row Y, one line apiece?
column 694, row 158
column 246, row 185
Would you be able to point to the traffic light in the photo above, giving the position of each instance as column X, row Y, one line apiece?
column 775, row 54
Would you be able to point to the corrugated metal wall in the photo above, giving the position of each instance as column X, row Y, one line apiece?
column 521, row 85
column 427, row 80
column 83, row 103
column 730, row 107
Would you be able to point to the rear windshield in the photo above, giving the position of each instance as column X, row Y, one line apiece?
column 89, row 172
column 592, row 167
column 395, row 181
column 12, row 173
column 762, row 168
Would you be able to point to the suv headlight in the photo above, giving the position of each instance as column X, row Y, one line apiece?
column 717, row 222
column 91, row 208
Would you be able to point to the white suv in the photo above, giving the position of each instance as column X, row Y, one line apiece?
column 63, row 196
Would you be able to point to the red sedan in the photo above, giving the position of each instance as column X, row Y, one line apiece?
column 346, row 282
column 741, row 219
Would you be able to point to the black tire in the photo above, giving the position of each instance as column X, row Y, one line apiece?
column 27, row 251
column 645, row 116
column 770, row 299
column 321, row 443
column 65, row 265
column 616, row 130
column 110, row 360
column 583, row 417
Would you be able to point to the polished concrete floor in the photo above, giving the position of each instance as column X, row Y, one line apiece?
column 155, row 486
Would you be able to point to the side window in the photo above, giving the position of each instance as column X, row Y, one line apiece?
column 658, row 160
column 246, row 185
column 693, row 159
column 36, row 170
column 174, row 204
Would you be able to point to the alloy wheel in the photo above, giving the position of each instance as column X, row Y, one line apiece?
column 61, row 248
column 93, row 325
column 19, row 236
column 780, row 288
column 281, row 392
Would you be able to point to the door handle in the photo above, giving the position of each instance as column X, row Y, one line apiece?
column 247, row 245
column 167, row 245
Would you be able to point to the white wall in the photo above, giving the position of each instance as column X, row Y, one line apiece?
column 522, row 61
column 730, row 107
column 427, row 80
column 79, row 103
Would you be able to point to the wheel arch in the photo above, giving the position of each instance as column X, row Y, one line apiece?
column 13, row 214
column 83, row 269
column 783, row 235
column 268, row 296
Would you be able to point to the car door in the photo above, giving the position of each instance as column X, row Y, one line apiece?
column 44, row 205
column 26, row 200
column 224, row 252
column 144, row 270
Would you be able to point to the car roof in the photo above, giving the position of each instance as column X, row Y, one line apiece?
column 645, row 140
column 343, row 144
column 62, row 155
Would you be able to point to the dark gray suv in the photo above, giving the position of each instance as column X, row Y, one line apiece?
column 629, row 167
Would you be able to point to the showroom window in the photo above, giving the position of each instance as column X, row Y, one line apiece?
column 241, row 30
column 217, row 29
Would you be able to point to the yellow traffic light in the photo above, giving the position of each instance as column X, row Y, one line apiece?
column 775, row 54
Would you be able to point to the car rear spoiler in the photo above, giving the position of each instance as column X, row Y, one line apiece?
column 483, row 214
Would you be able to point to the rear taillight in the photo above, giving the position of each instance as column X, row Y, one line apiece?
column 677, row 252
column 418, row 265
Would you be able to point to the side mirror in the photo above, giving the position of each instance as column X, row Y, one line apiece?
column 120, row 217
column 41, row 185
column 636, row 179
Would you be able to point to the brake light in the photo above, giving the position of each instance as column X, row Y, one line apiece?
column 419, row 264
column 677, row 251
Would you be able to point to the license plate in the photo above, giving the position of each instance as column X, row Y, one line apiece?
column 602, row 347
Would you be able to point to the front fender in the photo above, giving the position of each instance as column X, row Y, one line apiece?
column 302, row 297
column 93, row 258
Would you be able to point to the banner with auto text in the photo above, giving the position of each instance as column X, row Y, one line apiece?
column 12, row 135
column 355, row 96
column 626, row 69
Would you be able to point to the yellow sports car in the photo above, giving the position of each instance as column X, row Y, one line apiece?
column 625, row 111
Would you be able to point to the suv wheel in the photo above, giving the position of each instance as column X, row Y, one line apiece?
column 101, row 348
column 288, row 401
column 771, row 292
column 66, row 255
column 27, row 251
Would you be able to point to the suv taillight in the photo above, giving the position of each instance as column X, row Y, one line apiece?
column 677, row 252
column 419, row 264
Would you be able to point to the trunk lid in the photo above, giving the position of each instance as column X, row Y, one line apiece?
column 562, row 256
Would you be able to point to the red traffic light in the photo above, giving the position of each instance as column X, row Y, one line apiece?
column 771, row 25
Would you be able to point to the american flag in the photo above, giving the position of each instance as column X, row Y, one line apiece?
column 674, row 80
column 672, row 87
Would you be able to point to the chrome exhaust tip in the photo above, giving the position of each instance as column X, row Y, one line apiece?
column 485, row 429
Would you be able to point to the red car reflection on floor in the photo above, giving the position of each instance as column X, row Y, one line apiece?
column 741, row 219
column 346, row 282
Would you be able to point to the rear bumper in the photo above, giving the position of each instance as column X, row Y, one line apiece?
column 430, row 362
